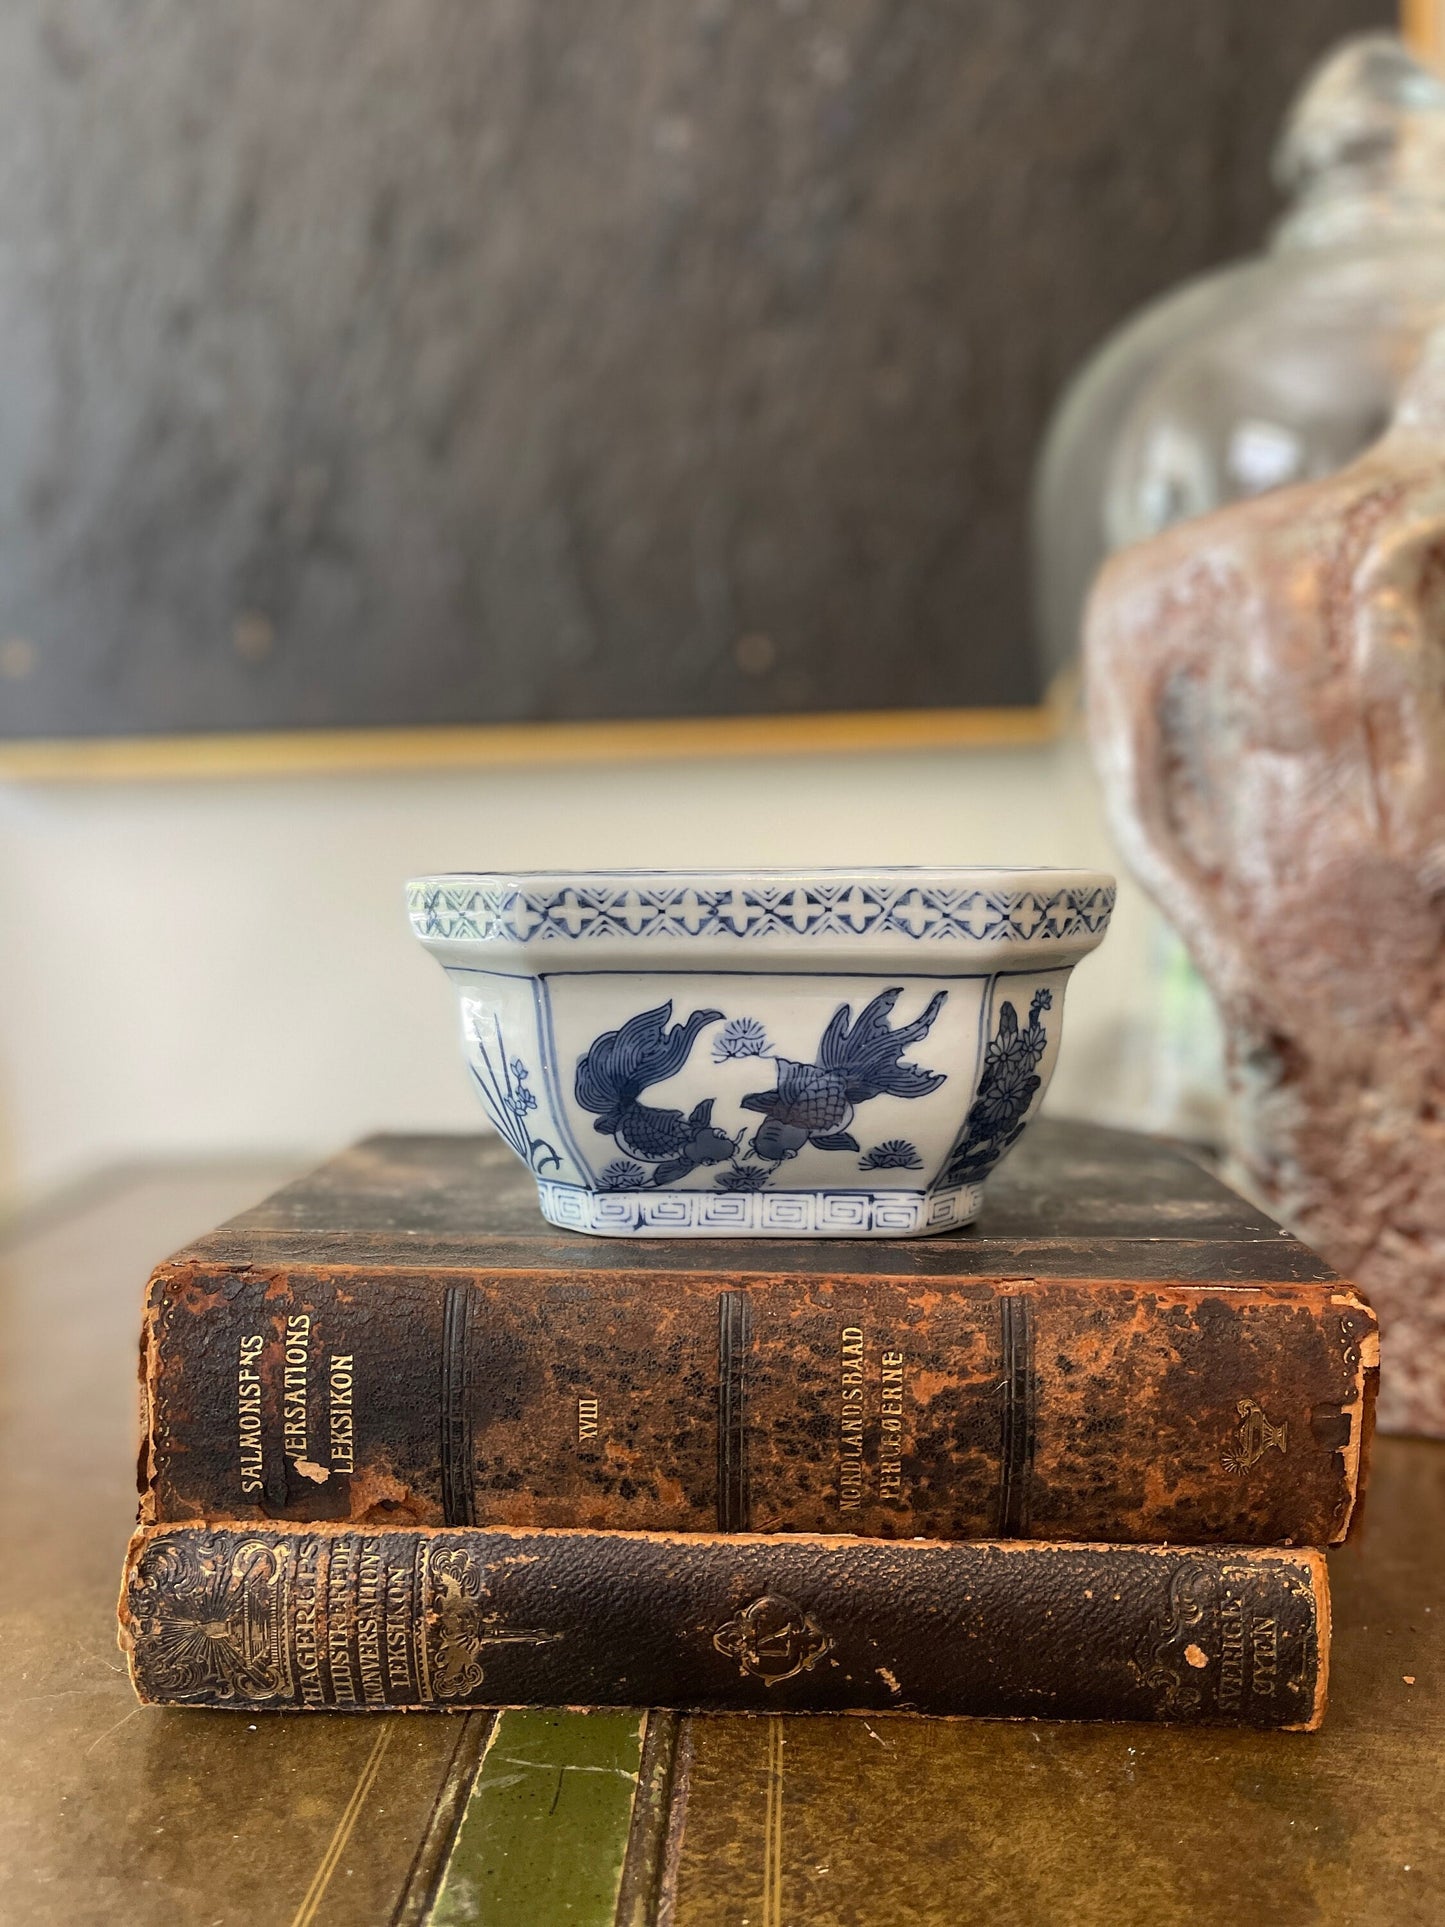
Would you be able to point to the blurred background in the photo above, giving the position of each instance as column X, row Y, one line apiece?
column 509, row 433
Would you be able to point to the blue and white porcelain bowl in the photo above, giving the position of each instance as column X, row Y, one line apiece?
column 814, row 1053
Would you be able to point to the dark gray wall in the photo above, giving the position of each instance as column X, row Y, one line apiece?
column 371, row 361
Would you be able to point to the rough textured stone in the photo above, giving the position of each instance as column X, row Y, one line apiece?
column 494, row 360
column 1267, row 694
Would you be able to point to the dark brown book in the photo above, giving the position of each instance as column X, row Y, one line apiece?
column 296, row 1616
column 1120, row 1350
column 129, row 1816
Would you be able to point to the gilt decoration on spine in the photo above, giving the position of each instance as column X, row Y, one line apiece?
column 307, row 1617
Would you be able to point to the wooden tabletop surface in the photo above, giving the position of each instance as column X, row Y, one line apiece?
column 115, row 1814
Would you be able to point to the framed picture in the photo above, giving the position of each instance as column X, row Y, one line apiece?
column 441, row 383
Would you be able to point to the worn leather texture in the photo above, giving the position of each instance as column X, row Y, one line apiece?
column 119, row 1816
column 294, row 1616
column 1122, row 1350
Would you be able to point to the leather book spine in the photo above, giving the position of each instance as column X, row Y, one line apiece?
column 288, row 1616
column 1228, row 1413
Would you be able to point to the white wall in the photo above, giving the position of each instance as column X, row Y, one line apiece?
column 216, row 966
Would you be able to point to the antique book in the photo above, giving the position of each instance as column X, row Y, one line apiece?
column 1121, row 1350
column 506, row 1817
column 286, row 1615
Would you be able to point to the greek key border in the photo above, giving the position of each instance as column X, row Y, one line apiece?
column 836, row 1214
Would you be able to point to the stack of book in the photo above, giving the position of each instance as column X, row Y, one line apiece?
column 407, row 1445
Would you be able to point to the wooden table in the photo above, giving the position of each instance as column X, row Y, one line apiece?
column 116, row 1814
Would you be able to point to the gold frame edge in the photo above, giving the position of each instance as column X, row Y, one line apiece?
column 441, row 746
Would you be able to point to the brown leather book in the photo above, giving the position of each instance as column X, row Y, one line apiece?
column 1120, row 1350
column 334, row 1616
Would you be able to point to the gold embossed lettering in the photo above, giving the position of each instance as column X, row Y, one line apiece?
column 850, row 1428
column 340, row 1579
column 305, row 1593
column 1231, row 1655
column 368, row 1624
column 399, row 1660
column 248, row 1407
column 1264, row 1656
column 586, row 1418
column 342, row 1427
column 891, row 1391
column 293, row 1406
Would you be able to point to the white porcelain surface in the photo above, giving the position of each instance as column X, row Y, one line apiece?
column 714, row 1054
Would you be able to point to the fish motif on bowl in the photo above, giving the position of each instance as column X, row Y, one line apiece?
column 716, row 1054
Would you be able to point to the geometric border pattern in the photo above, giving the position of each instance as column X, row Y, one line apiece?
column 618, row 907
column 776, row 1214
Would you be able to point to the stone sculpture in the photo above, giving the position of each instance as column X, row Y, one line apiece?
column 1267, row 703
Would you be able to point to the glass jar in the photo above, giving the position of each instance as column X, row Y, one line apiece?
column 1275, row 369
column 1272, row 370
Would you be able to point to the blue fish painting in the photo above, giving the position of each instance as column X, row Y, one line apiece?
column 814, row 1103
column 619, row 1067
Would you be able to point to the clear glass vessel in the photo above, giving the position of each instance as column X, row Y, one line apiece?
column 1272, row 370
